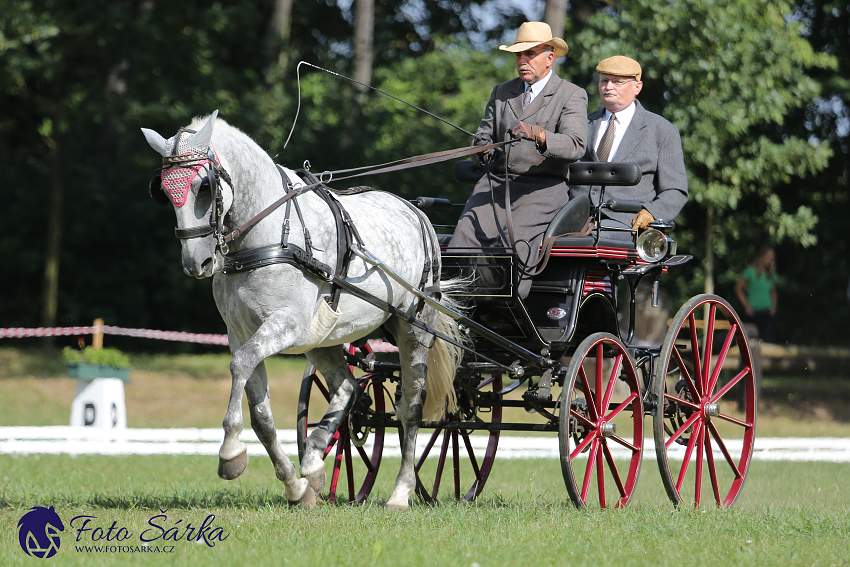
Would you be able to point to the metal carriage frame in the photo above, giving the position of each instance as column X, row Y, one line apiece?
column 559, row 356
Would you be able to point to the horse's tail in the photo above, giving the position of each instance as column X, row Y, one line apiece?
column 444, row 358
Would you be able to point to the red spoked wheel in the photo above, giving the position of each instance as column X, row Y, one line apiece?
column 600, row 428
column 706, row 417
column 471, row 456
column 356, row 449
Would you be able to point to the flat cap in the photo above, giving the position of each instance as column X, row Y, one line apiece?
column 621, row 66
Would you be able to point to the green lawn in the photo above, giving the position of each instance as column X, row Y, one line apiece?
column 789, row 513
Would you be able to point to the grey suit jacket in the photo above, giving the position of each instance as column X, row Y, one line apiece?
column 653, row 143
column 561, row 110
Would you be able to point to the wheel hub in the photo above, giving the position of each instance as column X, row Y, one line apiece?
column 608, row 429
column 711, row 410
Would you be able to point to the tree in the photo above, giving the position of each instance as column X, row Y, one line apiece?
column 728, row 74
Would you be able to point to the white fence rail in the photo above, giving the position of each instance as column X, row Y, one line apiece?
column 85, row 441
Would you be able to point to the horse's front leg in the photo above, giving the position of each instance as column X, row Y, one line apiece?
column 342, row 386
column 262, row 422
column 246, row 368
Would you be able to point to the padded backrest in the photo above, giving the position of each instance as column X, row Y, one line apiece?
column 466, row 171
column 604, row 173
column 570, row 218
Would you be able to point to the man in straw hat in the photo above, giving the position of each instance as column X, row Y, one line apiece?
column 623, row 131
column 547, row 118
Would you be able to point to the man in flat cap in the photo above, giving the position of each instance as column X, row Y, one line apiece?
column 547, row 118
column 623, row 131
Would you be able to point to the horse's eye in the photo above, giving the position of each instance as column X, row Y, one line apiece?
column 205, row 185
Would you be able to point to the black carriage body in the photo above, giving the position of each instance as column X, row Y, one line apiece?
column 573, row 297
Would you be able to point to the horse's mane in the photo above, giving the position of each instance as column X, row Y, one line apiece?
column 247, row 158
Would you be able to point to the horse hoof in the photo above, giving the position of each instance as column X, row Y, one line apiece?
column 307, row 501
column 232, row 468
column 317, row 481
column 397, row 506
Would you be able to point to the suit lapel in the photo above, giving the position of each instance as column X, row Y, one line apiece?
column 540, row 100
column 633, row 136
column 515, row 102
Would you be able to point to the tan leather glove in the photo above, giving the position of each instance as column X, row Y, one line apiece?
column 531, row 132
column 642, row 219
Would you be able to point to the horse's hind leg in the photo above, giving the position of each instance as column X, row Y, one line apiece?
column 413, row 355
column 331, row 363
column 262, row 422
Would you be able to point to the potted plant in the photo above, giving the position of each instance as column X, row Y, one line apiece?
column 88, row 363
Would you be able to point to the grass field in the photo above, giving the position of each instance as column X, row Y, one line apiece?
column 789, row 513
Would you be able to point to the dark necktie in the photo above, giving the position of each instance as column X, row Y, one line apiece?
column 607, row 141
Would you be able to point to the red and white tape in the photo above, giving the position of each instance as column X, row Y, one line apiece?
column 376, row 345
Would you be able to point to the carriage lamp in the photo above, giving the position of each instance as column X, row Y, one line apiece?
column 652, row 245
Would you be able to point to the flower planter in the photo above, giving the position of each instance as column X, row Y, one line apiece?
column 85, row 371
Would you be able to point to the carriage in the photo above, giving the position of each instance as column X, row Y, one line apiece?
column 566, row 359
column 697, row 386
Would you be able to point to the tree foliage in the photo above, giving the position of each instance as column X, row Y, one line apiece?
column 753, row 88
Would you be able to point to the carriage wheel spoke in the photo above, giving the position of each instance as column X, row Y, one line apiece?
column 682, row 401
column 614, row 471
column 367, row 460
column 624, row 443
column 580, row 447
column 591, row 403
column 682, row 429
column 695, row 355
column 441, row 463
column 616, row 411
column 321, row 387
column 713, row 430
column 612, row 381
column 687, row 460
column 728, row 386
column 333, row 441
column 600, row 394
column 709, row 343
column 349, row 472
column 685, row 374
column 467, row 442
column 712, row 472
column 600, row 474
column 586, row 422
column 588, row 471
column 337, row 466
column 721, row 358
column 456, row 462
column 427, row 450
column 698, row 476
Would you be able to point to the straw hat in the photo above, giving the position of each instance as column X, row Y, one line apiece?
column 621, row 66
column 532, row 34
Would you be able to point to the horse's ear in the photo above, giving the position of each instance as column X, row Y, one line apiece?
column 203, row 137
column 156, row 141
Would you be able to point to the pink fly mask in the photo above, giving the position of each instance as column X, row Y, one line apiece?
column 183, row 156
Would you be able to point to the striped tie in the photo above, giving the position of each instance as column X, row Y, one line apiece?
column 526, row 98
column 607, row 141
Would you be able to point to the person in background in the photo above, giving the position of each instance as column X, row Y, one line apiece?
column 756, row 290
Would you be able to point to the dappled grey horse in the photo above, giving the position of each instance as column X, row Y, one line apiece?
column 274, row 287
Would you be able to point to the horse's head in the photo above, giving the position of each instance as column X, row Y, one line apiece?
column 194, row 180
